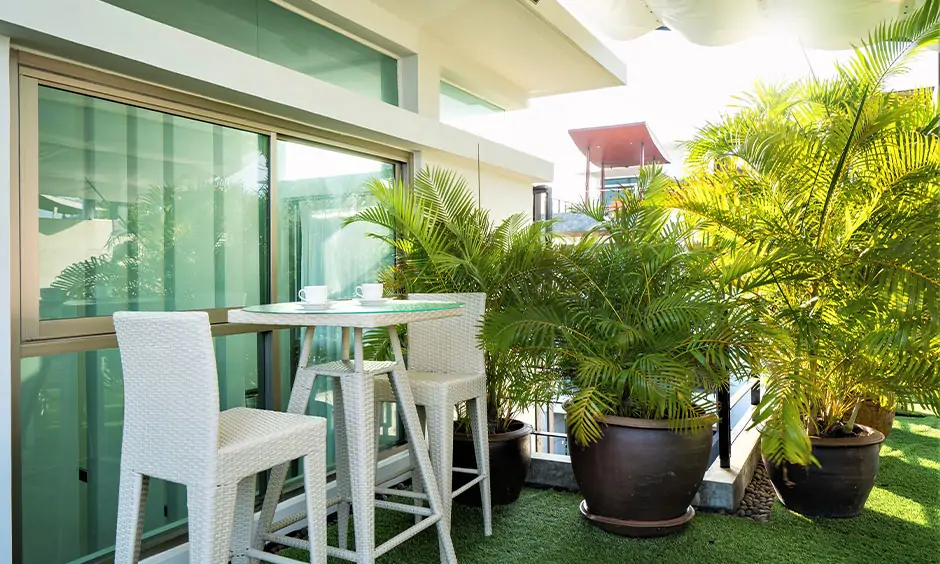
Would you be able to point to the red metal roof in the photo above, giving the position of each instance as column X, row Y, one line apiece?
column 619, row 145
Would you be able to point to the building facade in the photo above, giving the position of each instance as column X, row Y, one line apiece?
column 202, row 155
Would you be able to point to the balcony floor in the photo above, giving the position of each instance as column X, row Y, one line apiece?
column 901, row 523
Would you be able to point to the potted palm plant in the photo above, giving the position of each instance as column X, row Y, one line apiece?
column 828, row 193
column 641, row 331
column 445, row 243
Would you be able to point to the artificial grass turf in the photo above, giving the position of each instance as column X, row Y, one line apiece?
column 900, row 523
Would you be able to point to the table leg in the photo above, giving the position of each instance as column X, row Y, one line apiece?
column 358, row 404
column 341, row 460
column 299, row 398
column 419, row 447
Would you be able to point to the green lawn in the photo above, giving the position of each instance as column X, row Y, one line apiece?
column 901, row 523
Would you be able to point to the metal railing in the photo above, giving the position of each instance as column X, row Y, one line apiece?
column 544, row 206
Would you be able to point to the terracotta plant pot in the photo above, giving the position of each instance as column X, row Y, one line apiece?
column 837, row 488
column 873, row 415
column 510, row 458
column 640, row 478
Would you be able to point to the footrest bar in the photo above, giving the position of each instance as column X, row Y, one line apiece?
column 467, row 486
column 285, row 540
column 334, row 500
column 472, row 471
column 341, row 553
column 268, row 557
column 287, row 521
column 402, row 493
column 405, row 535
column 403, row 507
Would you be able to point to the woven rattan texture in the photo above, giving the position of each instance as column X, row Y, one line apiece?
column 173, row 430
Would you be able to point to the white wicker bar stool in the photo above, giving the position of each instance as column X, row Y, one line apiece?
column 446, row 367
column 174, row 431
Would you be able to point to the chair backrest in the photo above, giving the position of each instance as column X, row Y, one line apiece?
column 450, row 345
column 171, row 394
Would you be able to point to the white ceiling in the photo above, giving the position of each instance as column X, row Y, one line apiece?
column 541, row 48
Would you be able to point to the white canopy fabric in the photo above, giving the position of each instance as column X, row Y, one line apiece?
column 820, row 24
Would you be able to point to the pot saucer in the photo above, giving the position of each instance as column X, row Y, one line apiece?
column 637, row 528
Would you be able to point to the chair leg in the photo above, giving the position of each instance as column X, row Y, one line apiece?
column 378, row 433
column 415, row 483
column 359, row 406
column 211, row 514
column 244, row 516
column 132, row 501
column 440, row 421
column 342, row 466
column 315, row 491
column 477, row 410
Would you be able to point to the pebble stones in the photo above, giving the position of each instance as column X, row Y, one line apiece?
column 759, row 497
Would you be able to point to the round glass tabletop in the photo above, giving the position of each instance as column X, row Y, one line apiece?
column 347, row 307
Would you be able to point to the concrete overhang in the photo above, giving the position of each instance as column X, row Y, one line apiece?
column 536, row 46
column 97, row 34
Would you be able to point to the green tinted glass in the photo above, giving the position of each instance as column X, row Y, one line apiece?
column 142, row 210
column 317, row 189
column 457, row 104
column 281, row 36
column 71, row 415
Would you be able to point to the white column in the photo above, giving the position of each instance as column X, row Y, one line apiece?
column 421, row 85
column 6, row 341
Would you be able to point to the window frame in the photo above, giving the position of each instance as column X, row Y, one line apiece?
column 35, row 71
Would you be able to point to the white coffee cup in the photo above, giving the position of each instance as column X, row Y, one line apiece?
column 313, row 294
column 369, row 291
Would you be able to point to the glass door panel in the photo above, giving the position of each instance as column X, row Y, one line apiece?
column 142, row 210
column 72, row 413
column 317, row 189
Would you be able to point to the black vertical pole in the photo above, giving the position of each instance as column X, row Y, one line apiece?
column 724, row 426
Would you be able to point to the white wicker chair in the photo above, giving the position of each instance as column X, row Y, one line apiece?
column 446, row 367
column 173, row 431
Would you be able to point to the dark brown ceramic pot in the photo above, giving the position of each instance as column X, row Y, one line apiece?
column 640, row 477
column 510, row 459
column 839, row 487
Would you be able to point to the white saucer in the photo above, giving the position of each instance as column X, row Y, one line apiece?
column 377, row 302
column 315, row 307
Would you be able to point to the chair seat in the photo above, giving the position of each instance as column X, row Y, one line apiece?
column 253, row 440
column 435, row 388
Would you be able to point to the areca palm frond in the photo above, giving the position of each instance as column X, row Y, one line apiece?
column 828, row 191
column 445, row 243
column 640, row 327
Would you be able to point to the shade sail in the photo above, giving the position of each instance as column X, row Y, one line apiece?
column 820, row 24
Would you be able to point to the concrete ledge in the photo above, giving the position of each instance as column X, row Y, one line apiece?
column 552, row 470
column 723, row 488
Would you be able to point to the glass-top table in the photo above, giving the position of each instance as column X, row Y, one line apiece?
column 346, row 313
column 354, row 422
column 355, row 306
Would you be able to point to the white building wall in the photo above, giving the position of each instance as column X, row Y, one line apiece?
column 502, row 193
column 101, row 35
column 97, row 34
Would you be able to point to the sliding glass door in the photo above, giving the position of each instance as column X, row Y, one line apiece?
column 317, row 190
column 127, row 207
